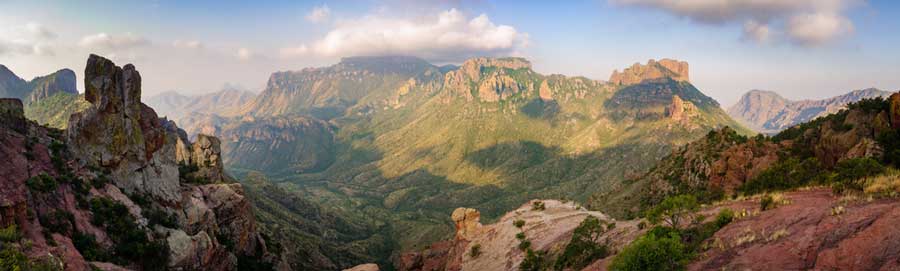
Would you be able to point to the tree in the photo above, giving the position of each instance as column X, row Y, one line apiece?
column 652, row 252
column 674, row 210
column 586, row 245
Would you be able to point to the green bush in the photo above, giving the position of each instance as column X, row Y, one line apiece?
column 42, row 183
column 651, row 252
column 525, row 245
column 586, row 245
column 88, row 247
column 131, row 242
column 724, row 217
column 58, row 221
column 12, row 259
column 520, row 236
column 534, row 261
column 673, row 210
column 475, row 251
column 10, row 234
column 538, row 206
column 519, row 223
column 785, row 174
column 848, row 174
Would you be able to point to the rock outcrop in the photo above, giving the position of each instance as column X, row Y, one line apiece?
column 637, row 73
column 122, row 134
column 62, row 81
column 547, row 229
column 118, row 162
column 491, row 77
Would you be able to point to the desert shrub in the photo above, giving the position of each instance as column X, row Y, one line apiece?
column 131, row 242
column 785, row 174
column 724, row 217
column 849, row 174
column 525, row 245
column 475, row 251
column 88, row 247
column 538, row 206
column 519, row 223
column 673, row 210
column 520, row 236
column 42, row 183
column 535, row 261
column 586, row 245
column 100, row 181
column 253, row 263
column 890, row 144
column 11, row 259
column 58, row 221
column 887, row 184
column 652, row 252
column 156, row 216
column 10, row 234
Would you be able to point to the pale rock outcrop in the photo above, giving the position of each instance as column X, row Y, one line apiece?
column 467, row 221
column 364, row 267
column 207, row 156
column 490, row 87
column 681, row 110
column 665, row 68
column 545, row 92
column 120, row 133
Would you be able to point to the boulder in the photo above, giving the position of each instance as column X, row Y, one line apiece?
column 207, row 156
column 364, row 267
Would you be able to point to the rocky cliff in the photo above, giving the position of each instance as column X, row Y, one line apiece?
column 11, row 86
column 109, row 193
column 768, row 112
column 653, row 70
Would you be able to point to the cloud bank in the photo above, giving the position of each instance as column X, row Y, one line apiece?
column 104, row 41
column 804, row 22
column 446, row 36
column 319, row 14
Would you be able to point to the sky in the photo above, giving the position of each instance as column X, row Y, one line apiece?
column 798, row 48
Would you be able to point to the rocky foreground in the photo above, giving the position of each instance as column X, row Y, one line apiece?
column 121, row 189
column 810, row 229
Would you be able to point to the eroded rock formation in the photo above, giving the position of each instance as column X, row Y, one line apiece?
column 665, row 68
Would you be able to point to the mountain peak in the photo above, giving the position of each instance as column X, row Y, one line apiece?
column 664, row 68
column 502, row 62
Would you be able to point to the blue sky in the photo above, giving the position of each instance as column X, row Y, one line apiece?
column 799, row 48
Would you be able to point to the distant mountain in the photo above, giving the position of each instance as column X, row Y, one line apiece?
column 768, row 112
column 405, row 142
column 11, row 86
column 223, row 102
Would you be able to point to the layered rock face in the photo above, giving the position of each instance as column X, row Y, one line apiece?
column 62, row 81
column 11, row 86
column 768, row 112
column 491, row 76
column 120, row 162
column 637, row 73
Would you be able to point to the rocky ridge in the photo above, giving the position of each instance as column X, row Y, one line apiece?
column 768, row 112
column 653, row 70
column 11, row 86
column 119, row 154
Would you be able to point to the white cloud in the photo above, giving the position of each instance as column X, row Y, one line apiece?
column 109, row 42
column 244, row 54
column 290, row 52
column 761, row 18
column 818, row 28
column 28, row 39
column 319, row 14
column 756, row 32
column 446, row 36
column 191, row 44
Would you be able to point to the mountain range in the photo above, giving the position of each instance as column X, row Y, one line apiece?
column 365, row 160
column 768, row 112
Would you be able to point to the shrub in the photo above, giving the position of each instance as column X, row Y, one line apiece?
column 475, row 251
column 520, row 236
column 12, row 259
column 724, row 217
column 586, row 245
column 534, row 261
column 519, row 223
column 884, row 185
column 88, row 247
column 772, row 201
column 42, row 183
column 524, row 245
column 651, row 252
column 10, row 234
column 785, row 174
column 848, row 173
column 58, row 222
column 538, row 206
column 131, row 242
column 156, row 216
column 673, row 210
